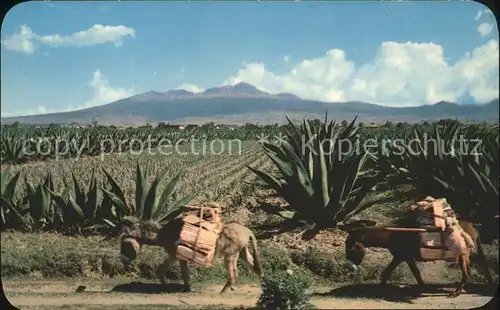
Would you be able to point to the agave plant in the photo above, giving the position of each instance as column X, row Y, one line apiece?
column 12, row 148
column 322, row 180
column 148, row 204
column 8, row 209
column 39, row 206
column 78, row 207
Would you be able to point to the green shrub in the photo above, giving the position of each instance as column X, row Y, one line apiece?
column 286, row 289
column 274, row 259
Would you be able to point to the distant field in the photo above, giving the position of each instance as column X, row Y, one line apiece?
column 213, row 172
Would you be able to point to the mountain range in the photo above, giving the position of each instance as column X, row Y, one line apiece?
column 244, row 103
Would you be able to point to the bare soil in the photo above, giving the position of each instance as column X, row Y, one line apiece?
column 124, row 294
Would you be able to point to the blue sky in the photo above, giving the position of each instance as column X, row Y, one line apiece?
column 65, row 56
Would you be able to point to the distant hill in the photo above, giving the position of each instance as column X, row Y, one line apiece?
column 243, row 103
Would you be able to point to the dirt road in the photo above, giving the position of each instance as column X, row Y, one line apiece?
column 122, row 294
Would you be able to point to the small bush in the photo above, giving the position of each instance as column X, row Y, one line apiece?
column 274, row 259
column 286, row 289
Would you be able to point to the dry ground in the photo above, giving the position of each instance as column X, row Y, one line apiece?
column 124, row 294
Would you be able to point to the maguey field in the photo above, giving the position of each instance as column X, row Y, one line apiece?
column 62, row 217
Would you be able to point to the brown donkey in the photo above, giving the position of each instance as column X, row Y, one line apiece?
column 234, row 240
column 405, row 247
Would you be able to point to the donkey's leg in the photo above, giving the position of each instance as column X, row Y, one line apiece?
column 228, row 262
column 235, row 264
column 185, row 272
column 235, row 269
column 164, row 267
column 389, row 269
column 414, row 270
column 464, row 263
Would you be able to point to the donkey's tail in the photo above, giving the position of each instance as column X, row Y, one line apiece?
column 256, row 256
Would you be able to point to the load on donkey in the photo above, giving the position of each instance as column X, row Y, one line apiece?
column 431, row 232
column 197, row 237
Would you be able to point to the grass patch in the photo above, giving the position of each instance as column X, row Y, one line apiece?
column 48, row 255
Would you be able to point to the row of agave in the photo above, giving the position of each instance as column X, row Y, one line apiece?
column 21, row 144
column 325, row 184
column 77, row 209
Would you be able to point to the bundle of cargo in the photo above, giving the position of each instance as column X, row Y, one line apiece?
column 448, row 239
column 433, row 212
column 198, row 238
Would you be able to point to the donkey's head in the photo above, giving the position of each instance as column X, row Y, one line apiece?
column 133, row 235
column 354, row 244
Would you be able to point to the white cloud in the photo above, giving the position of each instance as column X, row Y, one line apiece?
column 191, row 87
column 21, row 42
column 37, row 110
column 286, row 58
column 25, row 41
column 485, row 29
column 103, row 92
column 401, row 74
column 40, row 109
column 482, row 13
column 479, row 72
column 319, row 78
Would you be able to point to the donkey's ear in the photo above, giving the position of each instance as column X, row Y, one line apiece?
column 366, row 223
column 151, row 226
column 356, row 224
column 127, row 225
column 347, row 226
column 119, row 230
column 123, row 229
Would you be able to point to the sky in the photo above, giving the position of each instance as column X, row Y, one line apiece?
column 64, row 56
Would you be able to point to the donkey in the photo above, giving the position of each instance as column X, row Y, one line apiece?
column 234, row 240
column 405, row 247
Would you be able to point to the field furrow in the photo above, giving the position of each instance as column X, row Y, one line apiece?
column 217, row 180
